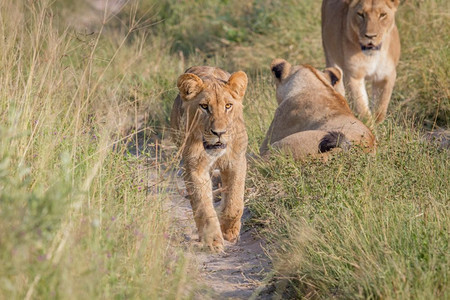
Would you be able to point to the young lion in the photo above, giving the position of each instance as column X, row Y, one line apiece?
column 208, row 119
column 360, row 36
column 312, row 118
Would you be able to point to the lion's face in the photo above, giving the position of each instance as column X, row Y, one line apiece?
column 371, row 21
column 213, row 105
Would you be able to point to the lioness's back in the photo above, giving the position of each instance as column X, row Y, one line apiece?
column 209, row 73
column 333, row 12
column 310, row 111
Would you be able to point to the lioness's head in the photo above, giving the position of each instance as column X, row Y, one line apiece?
column 370, row 21
column 213, row 106
column 291, row 80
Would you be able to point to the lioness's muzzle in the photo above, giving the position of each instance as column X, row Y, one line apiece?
column 218, row 145
column 370, row 46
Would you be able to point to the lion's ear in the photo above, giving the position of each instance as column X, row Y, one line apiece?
column 189, row 85
column 238, row 84
column 396, row 3
column 351, row 3
column 280, row 68
column 333, row 75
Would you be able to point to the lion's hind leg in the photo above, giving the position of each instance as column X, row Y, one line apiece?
column 314, row 143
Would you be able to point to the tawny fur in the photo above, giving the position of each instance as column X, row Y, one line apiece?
column 348, row 27
column 309, row 109
column 196, row 129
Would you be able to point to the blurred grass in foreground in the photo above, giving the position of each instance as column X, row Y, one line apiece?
column 76, row 219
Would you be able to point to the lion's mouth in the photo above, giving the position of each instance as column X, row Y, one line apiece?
column 215, row 146
column 370, row 47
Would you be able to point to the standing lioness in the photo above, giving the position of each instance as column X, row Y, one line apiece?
column 208, row 120
column 360, row 36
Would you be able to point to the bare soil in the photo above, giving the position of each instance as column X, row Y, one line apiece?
column 239, row 273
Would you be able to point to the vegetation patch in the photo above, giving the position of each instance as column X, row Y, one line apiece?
column 82, row 214
column 359, row 226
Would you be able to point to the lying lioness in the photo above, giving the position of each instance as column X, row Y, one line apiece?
column 360, row 37
column 312, row 117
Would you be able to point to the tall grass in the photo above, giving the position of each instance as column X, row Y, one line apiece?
column 76, row 217
column 422, row 87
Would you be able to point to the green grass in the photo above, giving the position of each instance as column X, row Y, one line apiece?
column 76, row 220
column 359, row 226
column 422, row 87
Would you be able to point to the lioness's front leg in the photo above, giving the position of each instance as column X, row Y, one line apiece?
column 232, row 206
column 382, row 91
column 359, row 96
column 199, row 189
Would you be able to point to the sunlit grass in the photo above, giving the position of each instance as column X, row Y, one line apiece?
column 359, row 226
column 77, row 219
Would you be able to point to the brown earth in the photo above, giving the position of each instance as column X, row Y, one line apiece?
column 239, row 272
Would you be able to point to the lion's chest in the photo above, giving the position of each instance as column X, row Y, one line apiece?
column 374, row 66
column 371, row 65
column 214, row 156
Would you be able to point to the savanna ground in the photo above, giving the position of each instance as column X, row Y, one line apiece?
column 83, row 215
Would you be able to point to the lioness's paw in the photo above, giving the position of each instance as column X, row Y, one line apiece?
column 212, row 238
column 380, row 117
column 216, row 246
column 231, row 231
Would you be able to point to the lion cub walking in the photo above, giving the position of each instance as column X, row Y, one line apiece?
column 360, row 36
column 208, row 120
column 312, row 117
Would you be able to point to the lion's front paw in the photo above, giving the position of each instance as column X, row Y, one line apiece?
column 212, row 237
column 231, row 231
column 380, row 117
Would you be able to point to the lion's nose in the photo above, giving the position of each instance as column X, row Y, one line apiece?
column 370, row 35
column 218, row 133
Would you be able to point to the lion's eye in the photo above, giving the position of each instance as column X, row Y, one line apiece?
column 204, row 106
column 361, row 14
column 228, row 105
column 382, row 15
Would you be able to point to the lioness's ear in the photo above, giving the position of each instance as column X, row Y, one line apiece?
column 351, row 3
column 333, row 75
column 189, row 85
column 396, row 3
column 280, row 68
column 238, row 84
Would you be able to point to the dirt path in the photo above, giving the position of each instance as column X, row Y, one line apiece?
column 236, row 274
